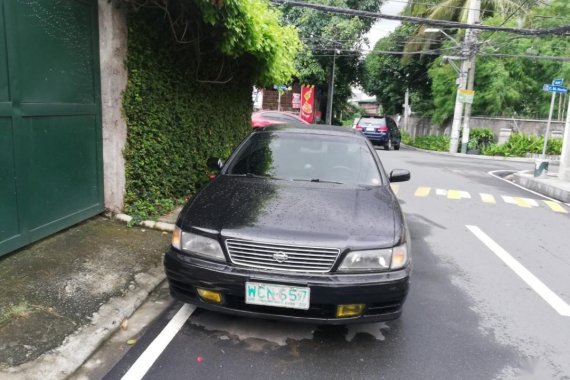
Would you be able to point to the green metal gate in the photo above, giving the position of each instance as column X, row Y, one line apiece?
column 50, row 125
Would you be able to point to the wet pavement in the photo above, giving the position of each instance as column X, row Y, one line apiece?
column 52, row 288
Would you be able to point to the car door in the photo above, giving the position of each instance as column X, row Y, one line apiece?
column 394, row 130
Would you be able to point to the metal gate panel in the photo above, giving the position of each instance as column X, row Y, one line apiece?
column 50, row 122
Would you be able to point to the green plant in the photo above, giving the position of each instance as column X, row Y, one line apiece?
column 406, row 138
column 519, row 145
column 175, row 121
column 438, row 143
column 480, row 138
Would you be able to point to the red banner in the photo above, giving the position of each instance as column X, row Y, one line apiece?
column 307, row 103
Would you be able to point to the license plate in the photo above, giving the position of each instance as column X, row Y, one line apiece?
column 292, row 297
column 370, row 129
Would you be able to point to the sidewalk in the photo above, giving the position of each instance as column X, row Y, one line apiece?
column 62, row 297
column 550, row 186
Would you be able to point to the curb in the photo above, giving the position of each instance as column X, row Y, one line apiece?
column 477, row 157
column 64, row 360
column 160, row 226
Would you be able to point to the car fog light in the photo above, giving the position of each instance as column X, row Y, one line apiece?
column 210, row 295
column 352, row 310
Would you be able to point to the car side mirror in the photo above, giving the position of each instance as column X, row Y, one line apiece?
column 399, row 175
column 215, row 163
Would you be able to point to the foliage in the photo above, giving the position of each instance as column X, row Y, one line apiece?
column 480, row 138
column 519, row 145
column 508, row 86
column 387, row 76
column 438, row 143
column 175, row 122
column 322, row 34
column 406, row 137
column 252, row 27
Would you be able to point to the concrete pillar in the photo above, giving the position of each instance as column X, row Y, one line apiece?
column 113, row 53
column 504, row 135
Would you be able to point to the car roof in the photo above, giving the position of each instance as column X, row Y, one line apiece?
column 319, row 129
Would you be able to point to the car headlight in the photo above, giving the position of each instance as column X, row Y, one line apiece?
column 375, row 260
column 197, row 244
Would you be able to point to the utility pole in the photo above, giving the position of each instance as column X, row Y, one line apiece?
column 331, row 91
column 406, row 110
column 475, row 6
column 564, row 171
column 467, row 56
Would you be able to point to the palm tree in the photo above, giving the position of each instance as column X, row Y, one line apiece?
column 455, row 10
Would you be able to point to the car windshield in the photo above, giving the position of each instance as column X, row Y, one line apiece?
column 307, row 157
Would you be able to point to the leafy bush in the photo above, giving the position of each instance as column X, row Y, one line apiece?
column 519, row 145
column 406, row 138
column 480, row 138
column 175, row 121
column 439, row 143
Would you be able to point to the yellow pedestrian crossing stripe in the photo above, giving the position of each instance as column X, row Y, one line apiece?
column 556, row 207
column 454, row 194
column 422, row 191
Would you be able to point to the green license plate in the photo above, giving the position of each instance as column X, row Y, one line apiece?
column 292, row 297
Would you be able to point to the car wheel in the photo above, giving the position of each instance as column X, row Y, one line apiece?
column 387, row 145
column 397, row 147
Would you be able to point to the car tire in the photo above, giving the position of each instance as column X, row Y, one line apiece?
column 387, row 146
column 397, row 147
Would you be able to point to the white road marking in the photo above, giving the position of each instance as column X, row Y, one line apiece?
column 141, row 366
column 492, row 173
column 441, row 192
column 465, row 194
column 531, row 280
column 508, row 199
column 487, row 198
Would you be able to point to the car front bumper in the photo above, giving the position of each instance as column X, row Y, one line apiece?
column 383, row 293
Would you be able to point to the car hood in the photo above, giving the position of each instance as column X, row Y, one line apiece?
column 300, row 213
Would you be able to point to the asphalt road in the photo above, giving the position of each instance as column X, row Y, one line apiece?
column 489, row 297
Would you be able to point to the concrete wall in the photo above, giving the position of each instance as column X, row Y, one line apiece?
column 113, row 52
column 420, row 126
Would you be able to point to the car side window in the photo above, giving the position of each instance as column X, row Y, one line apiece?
column 392, row 125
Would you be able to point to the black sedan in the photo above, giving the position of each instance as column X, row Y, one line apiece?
column 300, row 224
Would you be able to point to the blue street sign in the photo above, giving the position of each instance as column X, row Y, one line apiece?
column 553, row 88
column 557, row 82
column 281, row 87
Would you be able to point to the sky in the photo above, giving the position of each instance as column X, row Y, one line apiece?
column 384, row 27
column 381, row 29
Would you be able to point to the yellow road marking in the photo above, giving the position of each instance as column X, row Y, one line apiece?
column 556, row 207
column 521, row 202
column 422, row 191
column 395, row 187
column 487, row 198
column 453, row 194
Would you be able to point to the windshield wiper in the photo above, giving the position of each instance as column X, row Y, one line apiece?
column 317, row 180
column 252, row 175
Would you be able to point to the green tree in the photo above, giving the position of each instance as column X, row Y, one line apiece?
column 387, row 76
column 322, row 34
column 508, row 85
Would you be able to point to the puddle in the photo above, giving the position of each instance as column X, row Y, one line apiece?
column 257, row 333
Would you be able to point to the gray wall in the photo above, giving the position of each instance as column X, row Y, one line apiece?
column 113, row 52
column 420, row 126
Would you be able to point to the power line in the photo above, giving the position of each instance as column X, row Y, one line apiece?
column 561, row 30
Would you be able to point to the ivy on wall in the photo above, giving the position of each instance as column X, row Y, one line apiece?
column 175, row 120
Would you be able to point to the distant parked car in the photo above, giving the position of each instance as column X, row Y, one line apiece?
column 380, row 130
column 266, row 118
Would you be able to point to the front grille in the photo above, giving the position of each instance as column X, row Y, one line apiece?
column 295, row 258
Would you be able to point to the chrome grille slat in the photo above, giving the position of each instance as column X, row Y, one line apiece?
column 289, row 262
column 299, row 258
column 289, row 248
column 327, row 260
